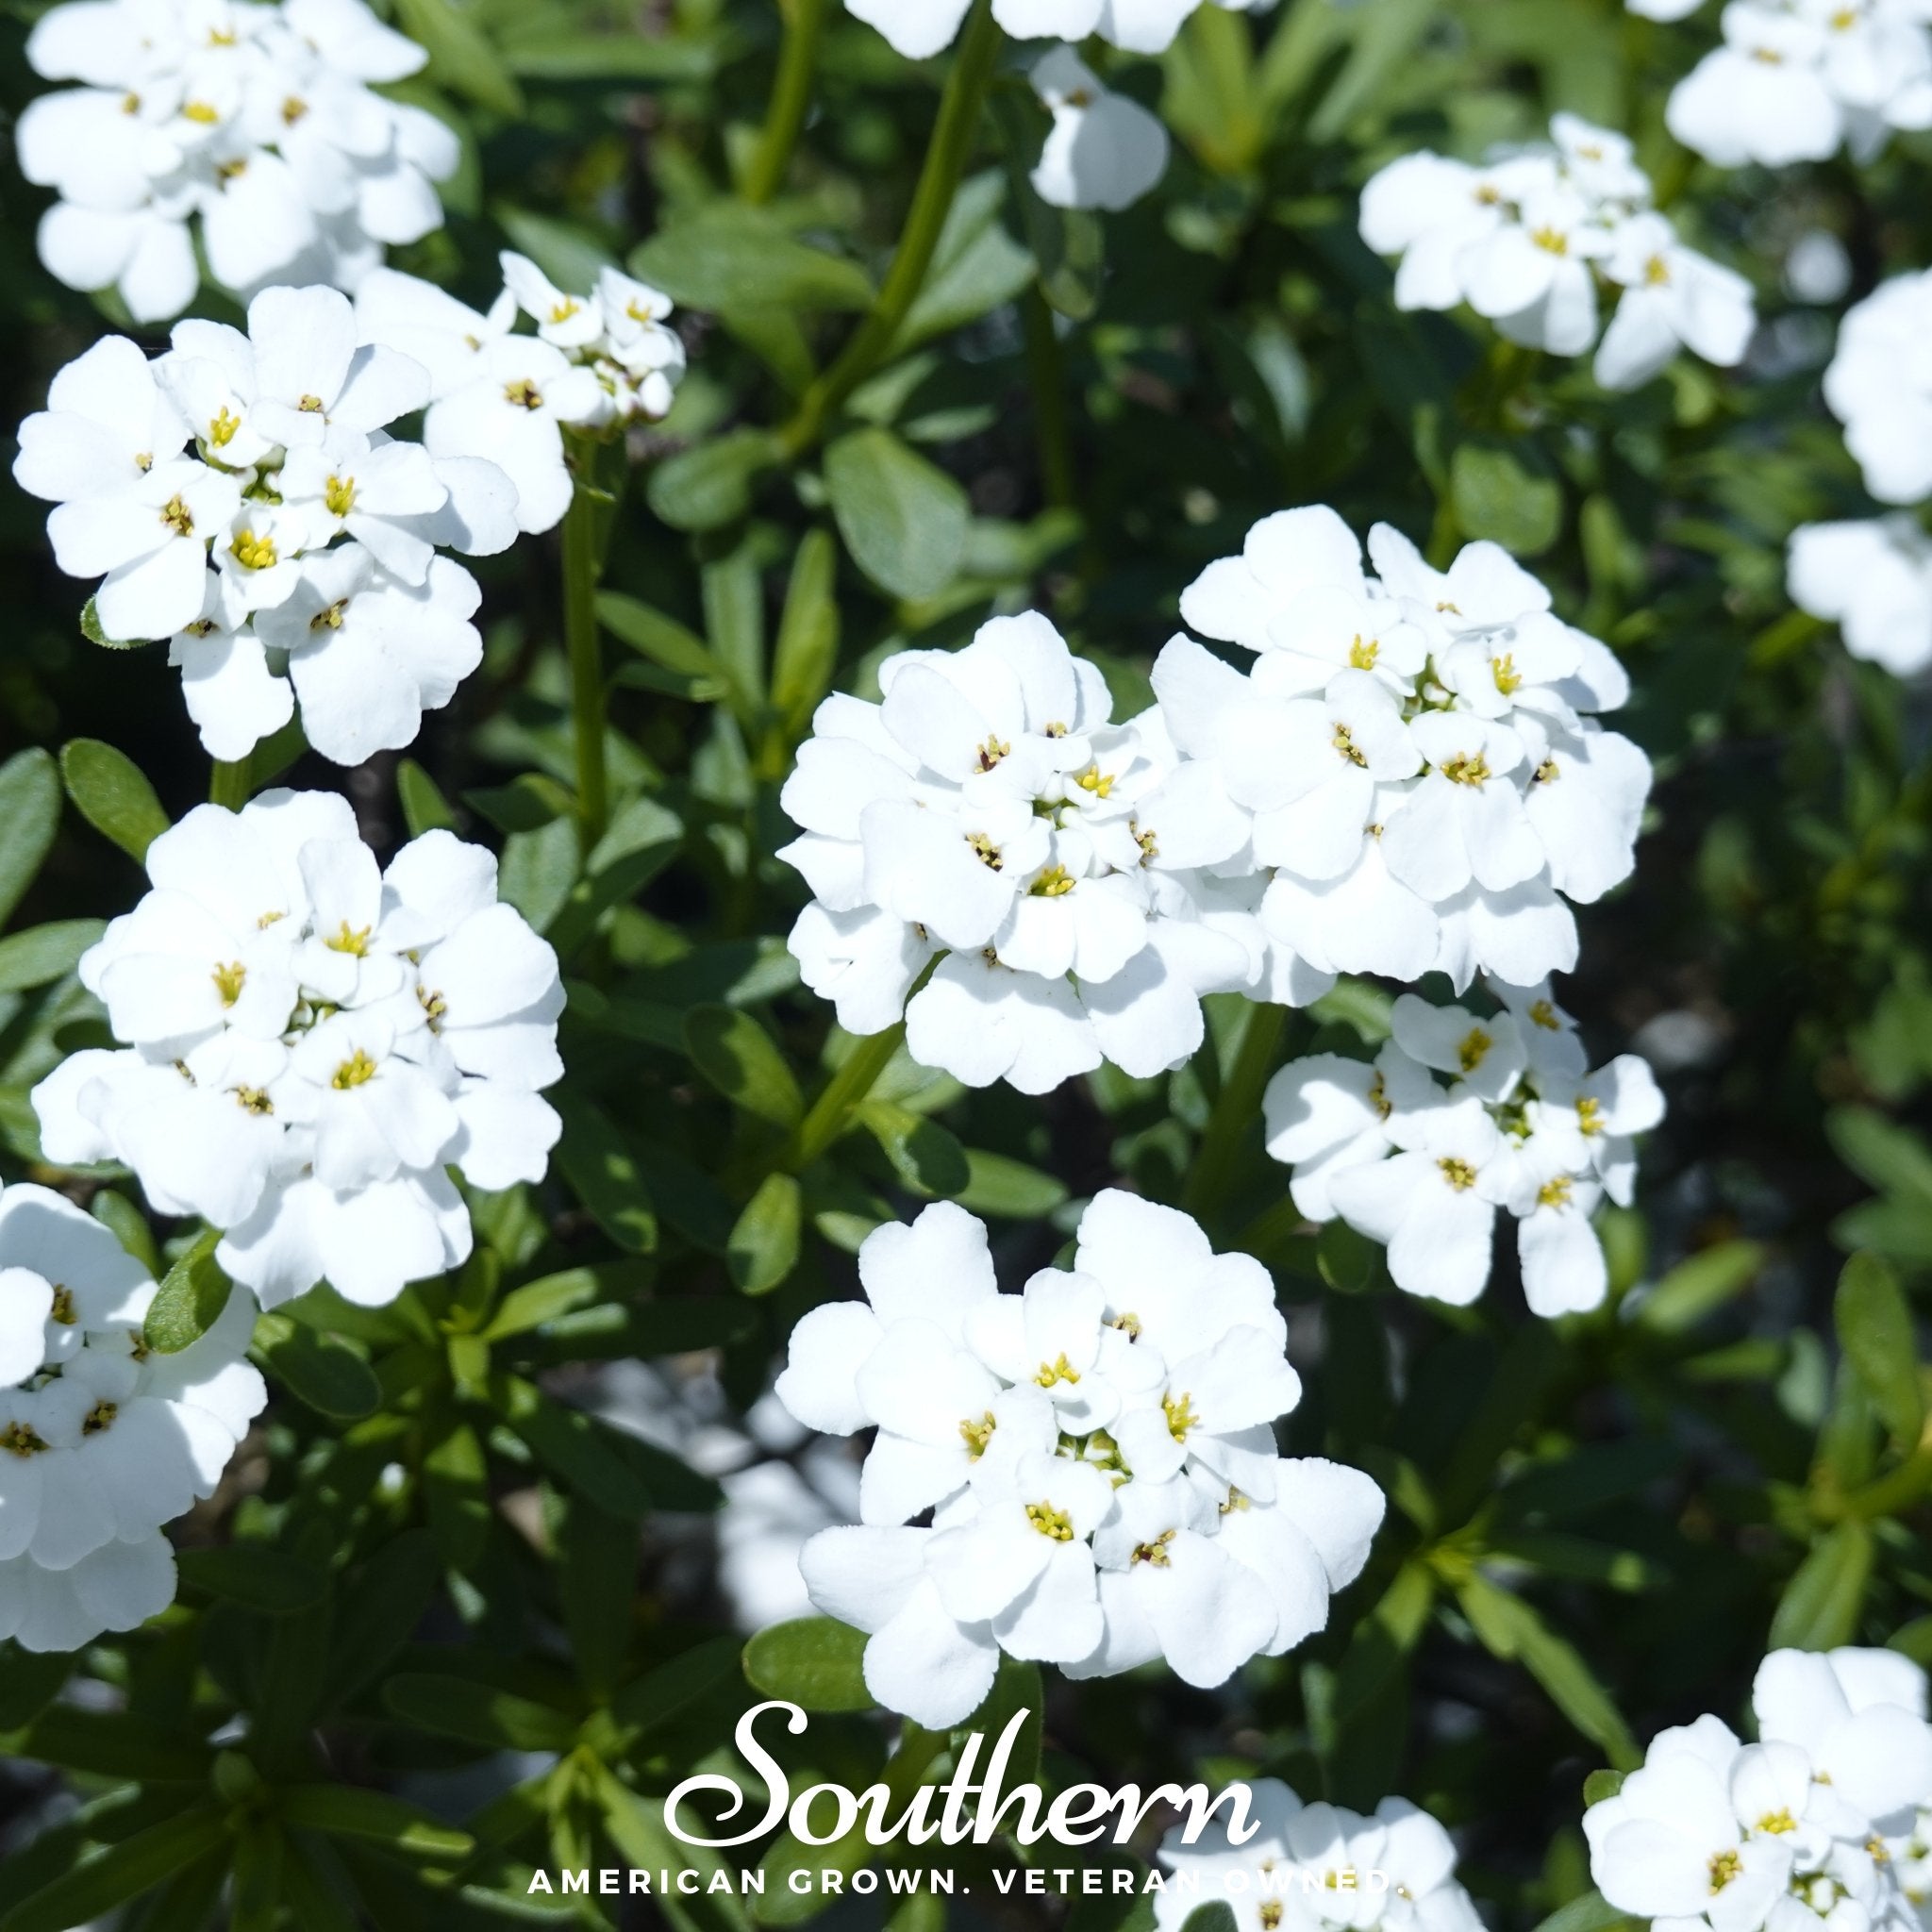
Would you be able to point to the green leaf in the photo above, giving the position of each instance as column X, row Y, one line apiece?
column 425, row 808
column 729, row 256
column 709, row 485
column 1701, row 1284
column 741, row 1060
column 1593, row 1912
column 662, row 640
column 322, row 1371
column 598, row 1160
column 1496, row 496
column 30, row 1680
column 1874, row 1329
column 91, row 629
column 1217, row 1915
column 598, row 1585
column 763, row 1248
column 1819, row 1609
column 189, row 1300
column 814, row 1661
column 904, row 521
column 460, row 55
column 44, row 953
column 1602, row 1785
column 668, row 1689
column 355, row 1811
column 539, row 869
column 926, row 1156
column 112, row 795
column 121, row 1871
column 586, row 1455
column 475, row 1713
column 1892, row 1158
column 378, row 1612
column 975, row 267
column 998, row 1185
column 30, row 817
column 553, row 1296
column 808, row 647
column 1349, row 1262
column 782, row 1902
column 456, row 1491
column 676, row 1324
column 273, row 1582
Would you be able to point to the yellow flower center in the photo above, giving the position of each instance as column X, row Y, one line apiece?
column 1129, row 1326
column 1235, row 1501
column 1154, row 1553
column 1467, row 768
column 353, row 1071
column 200, row 112
column 355, row 941
column 231, row 171
column 1542, row 1013
column 1457, row 1173
column 1508, row 679
column 222, row 427
column 1050, row 1522
column 1346, row 747
column 1548, row 772
column 992, row 752
column 292, row 109
column 1555, row 1194
column 563, row 309
column 1589, row 1115
column 178, row 516
column 978, row 1435
column 1473, row 1048
column 1777, row 1822
column 254, row 1100
column 339, row 495
column 310, row 405
column 98, row 1418
column 1551, row 240
column 1378, row 1097
column 434, row 1005
column 17, row 1439
column 1093, row 780
column 523, row 393
column 330, row 616
column 1724, row 1866
column 1361, row 655
column 1149, row 844
column 63, row 1310
column 1059, row 1370
column 1054, row 883
column 1179, row 1411
column 229, row 981
column 1657, row 272
column 254, row 553
column 984, row 849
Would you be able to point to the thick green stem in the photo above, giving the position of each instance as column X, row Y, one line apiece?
column 805, row 22
column 228, row 783
column 1240, row 1102
column 580, row 572
column 1047, row 372
column 833, row 1108
column 946, row 157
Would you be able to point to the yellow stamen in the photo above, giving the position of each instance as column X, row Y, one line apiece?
column 992, row 752
column 1542, row 1013
column 1050, row 1522
column 1093, row 780
column 1473, row 1048
column 1361, row 656
column 1059, row 1370
column 523, row 393
column 1179, row 1411
column 222, row 427
column 292, row 109
column 330, row 616
column 1054, row 883
column 1154, row 1553
column 339, row 495
column 346, row 941
column 1468, row 769
column 1508, row 679
column 253, row 552
column 1344, row 743
column 353, row 1071
column 98, row 1418
column 1589, row 1115
column 310, row 405
column 1555, row 1194
column 978, row 1435
column 178, row 516
column 17, row 1439
column 1457, row 1173
column 201, row 113
column 984, row 849
column 1551, row 240
column 229, row 981
column 254, row 1100
column 63, row 1310
column 1724, row 1866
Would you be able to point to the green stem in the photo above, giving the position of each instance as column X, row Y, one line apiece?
column 805, row 22
column 580, row 572
column 228, row 783
column 833, row 1108
column 1047, row 372
column 1240, row 1102
column 946, row 157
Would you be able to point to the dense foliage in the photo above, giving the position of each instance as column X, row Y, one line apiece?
column 445, row 1622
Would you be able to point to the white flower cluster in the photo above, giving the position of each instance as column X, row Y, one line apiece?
column 1872, row 576
column 1422, row 1166
column 240, row 497
column 101, row 1439
column 1529, row 239
column 918, row 28
column 263, row 120
column 1795, row 80
column 312, row 1043
column 1426, row 785
column 1825, row 1822
column 598, row 361
column 1068, row 870
column 1319, row 1868
column 1097, row 1453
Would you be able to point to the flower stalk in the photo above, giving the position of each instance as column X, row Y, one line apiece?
column 228, row 783
column 1239, row 1102
column 582, row 566
column 805, row 22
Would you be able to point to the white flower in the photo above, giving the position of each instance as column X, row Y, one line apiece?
column 1879, row 387
column 1104, row 151
column 919, row 28
column 312, row 1043
column 1531, row 240
column 1795, row 80
column 261, row 121
column 101, row 1439
column 1097, row 1453
column 1672, row 296
column 1875, row 581
column 1312, row 1865
column 1064, row 866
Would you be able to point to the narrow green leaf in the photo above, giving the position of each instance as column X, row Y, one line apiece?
column 322, row 1371
column 1701, row 1284
column 120, row 1872
column 763, row 1249
column 1819, row 1609
column 603, row 1170
column 729, row 256
column 808, row 647
column 998, row 1185
column 475, row 1713
column 1602, row 1785
column 189, row 1300
column 1497, row 496
column 743, row 1062
column 815, row 1662
column 598, row 1585
column 1593, row 1912
column 460, row 55
column 355, row 1811
column 111, row 793
column 455, row 1490
column 659, row 638
column 904, row 521
column 273, row 1582
column 44, row 953
column 30, row 817
column 676, row 1684
column 586, row 1455
column 709, row 485
column 95, row 633
column 425, row 808
column 926, row 1156
column 1874, row 1329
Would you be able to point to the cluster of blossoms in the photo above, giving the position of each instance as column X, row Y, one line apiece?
column 1795, row 80
column 1530, row 239
column 1423, row 1163
column 312, row 1043
column 1319, row 1868
column 1066, row 868
column 1407, row 780
column 1826, row 1821
column 918, row 28
column 102, row 1441
column 242, row 496
column 1873, row 577
column 263, row 120
column 1097, row 1453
